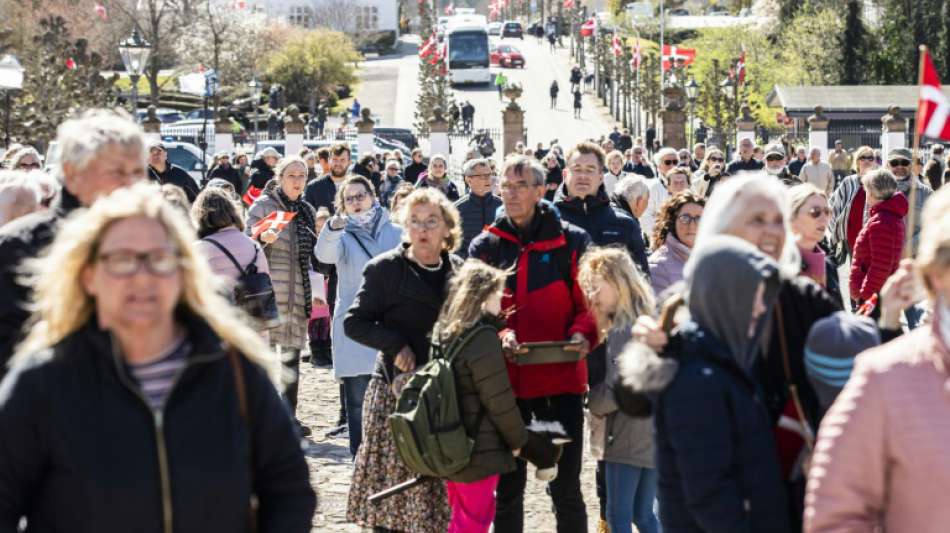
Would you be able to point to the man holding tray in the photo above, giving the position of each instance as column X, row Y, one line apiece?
column 548, row 335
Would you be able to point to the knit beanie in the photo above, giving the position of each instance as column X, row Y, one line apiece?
column 830, row 348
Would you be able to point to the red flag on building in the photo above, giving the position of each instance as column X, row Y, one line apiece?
column 588, row 27
column 676, row 56
column 933, row 107
column 637, row 58
column 276, row 221
column 740, row 67
column 616, row 47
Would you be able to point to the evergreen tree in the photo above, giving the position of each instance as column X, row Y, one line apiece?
column 853, row 46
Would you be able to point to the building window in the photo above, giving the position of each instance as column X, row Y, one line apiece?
column 301, row 16
column 367, row 18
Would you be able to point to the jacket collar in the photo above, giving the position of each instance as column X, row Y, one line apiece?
column 677, row 248
column 412, row 286
column 202, row 338
column 545, row 229
column 66, row 203
column 581, row 205
column 697, row 341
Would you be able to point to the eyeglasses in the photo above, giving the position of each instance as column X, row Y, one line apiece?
column 816, row 212
column 670, row 162
column 29, row 165
column 429, row 223
column 125, row 263
column 686, row 220
column 899, row 162
column 717, row 159
column 356, row 198
column 866, row 158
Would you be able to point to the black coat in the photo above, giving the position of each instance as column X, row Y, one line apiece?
column 413, row 170
column 394, row 307
column 605, row 224
column 21, row 239
column 81, row 450
column 229, row 174
column 321, row 192
column 175, row 176
column 260, row 174
column 716, row 458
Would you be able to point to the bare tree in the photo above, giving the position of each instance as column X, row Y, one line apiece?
column 159, row 22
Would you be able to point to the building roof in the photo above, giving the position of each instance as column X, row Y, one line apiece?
column 845, row 98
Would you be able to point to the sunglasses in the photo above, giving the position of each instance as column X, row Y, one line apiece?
column 670, row 162
column 716, row 159
column 774, row 158
column 866, row 158
column 28, row 165
column 816, row 212
column 899, row 162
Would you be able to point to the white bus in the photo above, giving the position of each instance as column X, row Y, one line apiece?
column 467, row 47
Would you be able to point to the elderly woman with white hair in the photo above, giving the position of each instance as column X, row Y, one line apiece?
column 631, row 196
column 19, row 195
column 666, row 161
column 101, row 151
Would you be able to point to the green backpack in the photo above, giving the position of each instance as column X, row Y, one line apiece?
column 427, row 423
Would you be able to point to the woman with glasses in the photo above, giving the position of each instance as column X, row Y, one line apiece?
column 673, row 237
column 810, row 217
column 846, row 224
column 709, row 173
column 19, row 196
column 360, row 231
column 140, row 396
column 289, row 251
column 394, row 311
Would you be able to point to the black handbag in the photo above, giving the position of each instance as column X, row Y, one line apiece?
column 253, row 292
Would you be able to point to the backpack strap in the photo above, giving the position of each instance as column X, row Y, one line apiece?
column 224, row 250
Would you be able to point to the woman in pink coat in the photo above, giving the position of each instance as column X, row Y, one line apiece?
column 881, row 461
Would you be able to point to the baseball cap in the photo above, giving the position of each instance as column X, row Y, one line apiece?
column 774, row 149
column 899, row 153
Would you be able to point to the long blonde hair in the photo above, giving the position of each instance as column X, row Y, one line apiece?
column 635, row 297
column 471, row 285
column 61, row 305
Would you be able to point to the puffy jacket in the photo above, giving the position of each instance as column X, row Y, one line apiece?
column 413, row 170
column 24, row 238
column 341, row 248
column 321, row 192
column 666, row 264
column 605, row 224
column 543, row 292
column 489, row 411
column 716, row 457
column 476, row 213
column 81, row 451
column 877, row 251
column 260, row 174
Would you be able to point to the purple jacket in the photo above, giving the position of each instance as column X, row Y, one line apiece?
column 666, row 264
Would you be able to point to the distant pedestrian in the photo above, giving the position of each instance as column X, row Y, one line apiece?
column 356, row 108
column 501, row 81
column 575, row 78
column 877, row 250
column 818, row 173
column 577, row 102
column 553, row 92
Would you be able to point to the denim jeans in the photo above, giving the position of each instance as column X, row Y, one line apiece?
column 565, row 490
column 354, row 388
column 631, row 491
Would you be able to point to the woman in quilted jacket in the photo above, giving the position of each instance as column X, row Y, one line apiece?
column 877, row 250
column 677, row 222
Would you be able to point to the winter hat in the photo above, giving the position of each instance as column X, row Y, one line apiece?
column 830, row 348
column 270, row 151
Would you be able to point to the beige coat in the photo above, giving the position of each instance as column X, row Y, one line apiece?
column 882, row 458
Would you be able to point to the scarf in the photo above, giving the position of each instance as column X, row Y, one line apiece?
column 365, row 218
column 304, row 223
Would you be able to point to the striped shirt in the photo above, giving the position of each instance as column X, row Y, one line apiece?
column 157, row 377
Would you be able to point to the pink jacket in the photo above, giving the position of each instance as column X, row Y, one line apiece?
column 882, row 457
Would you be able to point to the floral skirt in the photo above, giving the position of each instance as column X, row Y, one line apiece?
column 421, row 509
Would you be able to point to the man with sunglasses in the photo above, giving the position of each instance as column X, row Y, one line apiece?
column 745, row 162
column 775, row 165
column 636, row 164
column 818, row 173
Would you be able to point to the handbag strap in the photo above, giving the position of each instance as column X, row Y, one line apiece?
column 240, row 388
column 224, row 250
column 808, row 436
column 363, row 246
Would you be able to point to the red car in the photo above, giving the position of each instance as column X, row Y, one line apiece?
column 506, row 55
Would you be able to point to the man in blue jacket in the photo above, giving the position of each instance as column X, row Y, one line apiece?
column 477, row 208
column 321, row 192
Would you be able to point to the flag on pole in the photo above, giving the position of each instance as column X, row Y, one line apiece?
column 568, row 4
column 676, row 56
column 276, row 221
column 588, row 27
column 101, row 12
column 740, row 68
column 637, row 58
column 428, row 47
column 616, row 47
column 933, row 107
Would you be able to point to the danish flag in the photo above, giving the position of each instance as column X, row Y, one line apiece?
column 428, row 47
column 740, row 68
column 676, row 56
column 70, row 63
column 616, row 46
column 449, row 9
column 933, row 107
column 588, row 27
column 276, row 221
column 637, row 56
column 101, row 12
column 568, row 4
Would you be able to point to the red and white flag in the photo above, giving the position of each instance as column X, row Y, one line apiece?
column 101, row 12
column 70, row 63
column 276, row 221
column 428, row 47
column 588, row 27
column 616, row 47
column 450, row 9
column 637, row 58
column 676, row 56
column 740, row 67
column 569, row 4
column 933, row 107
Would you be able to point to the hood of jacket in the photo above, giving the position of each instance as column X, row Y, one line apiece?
column 896, row 205
column 565, row 202
column 619, row 202
column 722, row 277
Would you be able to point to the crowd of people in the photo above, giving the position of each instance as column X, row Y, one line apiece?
column 677, row 316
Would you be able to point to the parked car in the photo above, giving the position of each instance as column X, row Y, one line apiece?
column 200, row 114
column 166, row 115
column 512, row 29
column 403, row 135
column 506, row 55
column 188, row 157
column 494, row 28
column 678, row 12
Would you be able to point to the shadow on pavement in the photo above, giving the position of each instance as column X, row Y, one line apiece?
column 325, row 450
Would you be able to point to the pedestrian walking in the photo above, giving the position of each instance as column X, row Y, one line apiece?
column 810, row 217
column 745, row 161
column 674, row 236
column 390, row 182
column 709, row 173
column 436, row 178
column 417, row 167
column 840, row 161
column 846, row 223
column 877, row 250
column 632, row 196
column 577, row 102
column 501, row 81
column 355, row 109
column 262, row 172
column 289, row 253
column 666, row 161
column 359, row 231
column 394, row 311
column 223, row 169
column 148, row 381
column 554, row 176
column 818, row 173
column 892, row 412
column 617, row 294
column 575, row 78
column 477, row 209
column 552, row 91
column 164, row 173
column 614, row 171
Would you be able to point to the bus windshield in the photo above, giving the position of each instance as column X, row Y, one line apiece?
column 468, row 50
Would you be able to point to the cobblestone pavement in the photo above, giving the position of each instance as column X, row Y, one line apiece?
column 330, row 465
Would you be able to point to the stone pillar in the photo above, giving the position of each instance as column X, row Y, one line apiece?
column 223, row 138
column 893, row 131
column 673, row 118
column 512, row 119
column 745, row 125
column 293, row 131
column 364, row 132
column 818, row 132
column 152, row 125
column 439, row 134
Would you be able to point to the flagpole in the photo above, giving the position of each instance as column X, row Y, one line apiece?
column 914, row 166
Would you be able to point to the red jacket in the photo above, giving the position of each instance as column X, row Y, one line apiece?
column 877, row 251
column 546, row 306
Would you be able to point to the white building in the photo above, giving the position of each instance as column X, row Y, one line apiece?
column 369, row 21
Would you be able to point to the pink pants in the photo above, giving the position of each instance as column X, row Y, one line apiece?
column 473, row 505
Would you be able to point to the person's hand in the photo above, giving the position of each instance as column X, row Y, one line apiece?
column 405, row 359
column 898, row 293
column 579, row 344
column 269, row 237
column 649, row 332
column 337, row 222
column 510, row 345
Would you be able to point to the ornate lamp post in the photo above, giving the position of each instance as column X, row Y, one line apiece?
column 11, row 79
column 692, row 91
column 730, row 90
column 135, row 52
column 256, row 88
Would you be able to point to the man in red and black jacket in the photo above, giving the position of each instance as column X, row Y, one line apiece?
column 547, row 305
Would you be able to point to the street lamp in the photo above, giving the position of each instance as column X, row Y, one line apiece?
column 135, row 52
column 256, row 89
column 11, row 79
column 692, row 91
column 731, row 91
